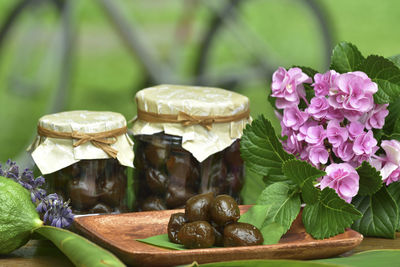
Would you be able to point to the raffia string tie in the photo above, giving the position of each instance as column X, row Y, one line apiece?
column 102, row 140
column 187, row 120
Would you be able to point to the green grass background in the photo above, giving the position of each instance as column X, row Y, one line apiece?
column 105, row 75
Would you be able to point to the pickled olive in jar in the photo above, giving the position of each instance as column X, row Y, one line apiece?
column 176, row 222
column 198, row 234
column 153, row 203
column 177, row 196
column 224, row 210
column 232, row 155
column 100, row 208
column 156, row 155
column 242, row 234
column 197, row 208
column 156, row 180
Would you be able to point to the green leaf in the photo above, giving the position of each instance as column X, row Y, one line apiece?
column 161, row 241
column 395, row 59
column 265, row 263
column 372, row 258
column 380, row 214
column 307, row 70
column 370, row 179
column 272, row 233
column 285, row 204
column 392, row 121
column 252, row 188
column 330, row 216
column 255, row 215
column 394, row 191
column 386, row 74
column 345, row 57
column 261, row 149
column 79, row 250
column 303, row 174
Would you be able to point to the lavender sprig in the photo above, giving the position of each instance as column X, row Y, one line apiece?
column 55, row 211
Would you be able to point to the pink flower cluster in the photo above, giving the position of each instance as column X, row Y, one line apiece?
column 336, row 125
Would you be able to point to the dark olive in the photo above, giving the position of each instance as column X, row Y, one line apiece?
column 179, row 167
column 100, row 208
column 232, row 155
column 213, row 175
column 242, row 234
column 83, row 193
column 155, row 155
column 153, row 203
column 224, row 210
column 219, row 236
column 156, row 180
column 177, row 196
column 197, row 208
column 198, row 234
column 176, row 221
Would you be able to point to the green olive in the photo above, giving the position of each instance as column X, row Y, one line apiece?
column 242, row 234
column 197, row 208
column 224, row 210
column 198, row 234
column 176, row 222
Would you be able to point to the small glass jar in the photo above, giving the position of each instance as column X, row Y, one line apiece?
column 167, row 175
column 187, row 143
column 84, row 155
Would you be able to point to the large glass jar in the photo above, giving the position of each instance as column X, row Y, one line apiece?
column 84, row 156
column 186, row 143
column 167, row 175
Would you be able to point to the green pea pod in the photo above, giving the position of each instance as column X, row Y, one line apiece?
column 79, row 250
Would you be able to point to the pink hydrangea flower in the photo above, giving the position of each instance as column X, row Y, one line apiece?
column 315, row 135
column 355, row 129
column 293, row 118
column 344, row 151
column 336, row 135
column 301, row 135
column 353, row 91
column 292, row 145
column 318, row 107
column 392, row 159
column 376, row 117
column 393, row 177
column 287, row 87
column 324, row 82
column 334, row 114
column 352, row 115
column 343, row 178
column 365, row 144
column 318, row 154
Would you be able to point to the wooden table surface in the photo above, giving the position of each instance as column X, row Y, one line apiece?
column 39, row 253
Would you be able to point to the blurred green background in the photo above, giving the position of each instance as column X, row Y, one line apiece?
column 104, row 75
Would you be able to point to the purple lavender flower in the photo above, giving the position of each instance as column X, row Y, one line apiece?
column 57, row 213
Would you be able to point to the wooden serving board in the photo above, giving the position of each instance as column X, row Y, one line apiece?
column 117, row 233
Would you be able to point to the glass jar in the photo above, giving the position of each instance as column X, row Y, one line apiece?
column 93, row 186
column 187, row 143
column 167, row 175
column 84, row 156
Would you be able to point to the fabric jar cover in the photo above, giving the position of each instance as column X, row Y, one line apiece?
column 52, row 154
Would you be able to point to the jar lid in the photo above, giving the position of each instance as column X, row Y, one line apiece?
column 67, row 137
column 208, row 119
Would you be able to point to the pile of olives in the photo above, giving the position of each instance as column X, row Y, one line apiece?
column 212, row 221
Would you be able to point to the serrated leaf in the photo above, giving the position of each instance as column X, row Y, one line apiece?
column 386, row 74
column 370, row 179
column 380, row 214
column 285, row 204
column 261, row 150
column 255, row 215
column 303, row 174
column 346, row 57
column 394, row 191
column 395, row 59
column 392, row 120
column 330, row 216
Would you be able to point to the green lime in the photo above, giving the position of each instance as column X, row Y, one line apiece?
column 18, row 216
